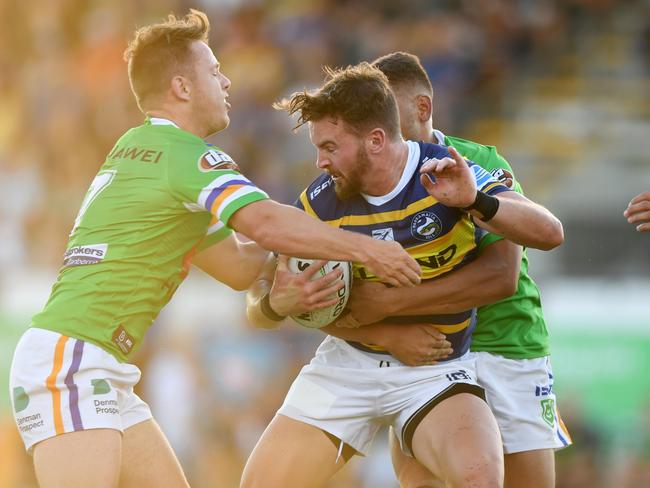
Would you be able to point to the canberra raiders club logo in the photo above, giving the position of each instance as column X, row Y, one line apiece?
column 212, row 159
column 426, row 226
column 548, row 411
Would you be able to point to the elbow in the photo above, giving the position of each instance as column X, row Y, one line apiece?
column 554, row 236
column 501, row 280
column 510, row 284
column 507, row 283
column 263, row 235
column 240, row 285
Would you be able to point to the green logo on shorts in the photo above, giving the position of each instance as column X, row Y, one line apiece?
column 101, row 387
column 548, row 411
column 21, row 399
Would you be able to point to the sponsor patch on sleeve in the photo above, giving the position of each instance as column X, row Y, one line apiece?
column 212, row 160
column 504, row 176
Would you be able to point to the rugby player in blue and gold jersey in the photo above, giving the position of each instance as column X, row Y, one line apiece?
column 421, row 195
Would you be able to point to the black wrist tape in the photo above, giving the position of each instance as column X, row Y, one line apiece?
column 485, row 204
column 269, row 313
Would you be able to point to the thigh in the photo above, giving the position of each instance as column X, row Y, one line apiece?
column 458, row 441
column 532, row 469
column 338, row 392
column 79, row 459
column 291, row 453
column 148, row 459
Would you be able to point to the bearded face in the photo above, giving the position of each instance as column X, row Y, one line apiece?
column 341, row 154
column 349, row 185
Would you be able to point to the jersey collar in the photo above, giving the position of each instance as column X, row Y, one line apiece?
column 439, row 137
column 161, row 121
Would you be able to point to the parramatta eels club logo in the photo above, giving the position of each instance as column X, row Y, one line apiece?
column 426, row 226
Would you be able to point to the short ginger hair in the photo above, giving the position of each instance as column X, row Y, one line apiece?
column 158, row 52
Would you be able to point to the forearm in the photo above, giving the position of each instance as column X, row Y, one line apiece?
column 523, row 222
column 288, row 230
column 492, row 276
column 478, row 283
column 237, row 264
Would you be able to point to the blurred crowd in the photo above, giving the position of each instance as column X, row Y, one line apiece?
column 64, row 99
column 65, row 96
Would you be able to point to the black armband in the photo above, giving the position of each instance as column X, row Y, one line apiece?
column 485, row 204
column 265, row 307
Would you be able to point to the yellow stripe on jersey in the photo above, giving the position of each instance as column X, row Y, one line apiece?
column 379, row 218
column 488, row 187
column 440, row 255
column 305, row 203
column 450, row 329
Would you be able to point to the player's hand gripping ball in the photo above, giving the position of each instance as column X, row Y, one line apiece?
column 324, row 316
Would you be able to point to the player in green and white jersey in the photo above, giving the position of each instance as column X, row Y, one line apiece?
column 511, row 339
column 162, row 195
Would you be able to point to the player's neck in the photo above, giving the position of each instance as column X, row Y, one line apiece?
column 427, row 134
column 422, row 131
column 388, row 169
column 178, row 118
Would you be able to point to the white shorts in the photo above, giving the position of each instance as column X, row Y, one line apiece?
column 520, row 394
column 59, row 384
column 351, row 394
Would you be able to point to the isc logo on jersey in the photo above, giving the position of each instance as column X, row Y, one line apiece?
column 314, row 193
column 426, row 226
column 212, row 160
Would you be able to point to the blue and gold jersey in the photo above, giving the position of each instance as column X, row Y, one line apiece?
column 440, row 238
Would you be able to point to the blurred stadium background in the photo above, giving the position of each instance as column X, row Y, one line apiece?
column 561, row 87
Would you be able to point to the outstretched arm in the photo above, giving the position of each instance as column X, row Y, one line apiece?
column 524, row 222
column 290, row 231
column 509, row 214
column 232, row 262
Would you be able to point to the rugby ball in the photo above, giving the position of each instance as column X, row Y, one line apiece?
column 324, row 316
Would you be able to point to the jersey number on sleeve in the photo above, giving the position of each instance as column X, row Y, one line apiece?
column 101, row 181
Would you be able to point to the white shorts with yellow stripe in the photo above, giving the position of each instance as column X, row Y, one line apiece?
column 521, row 396
column 59, row 384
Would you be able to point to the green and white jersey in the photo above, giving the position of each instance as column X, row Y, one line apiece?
column 161, row 195
column 513, row 327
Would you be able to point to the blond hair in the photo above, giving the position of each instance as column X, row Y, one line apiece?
column 158, row 52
